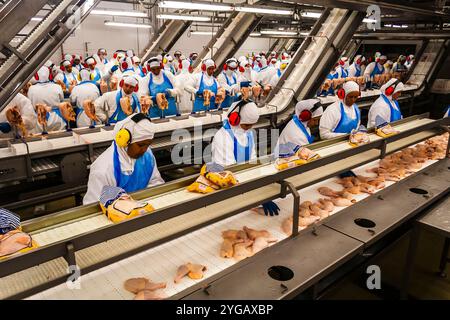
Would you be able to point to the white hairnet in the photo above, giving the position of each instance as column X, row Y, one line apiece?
column 143, row 130
column 132, row 81
column 399, row 87
column 249, row 113
column 185, row 64
column 68, row 57
column 209, row 63
column 308, row 105
column 85, row 75
column 43, row 74
column 350, row 86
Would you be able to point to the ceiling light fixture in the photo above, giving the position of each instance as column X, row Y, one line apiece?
column 127, row 25
column 116, row 13
column 182, row 17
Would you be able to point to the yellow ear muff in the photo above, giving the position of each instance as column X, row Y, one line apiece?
column 79, row 77
column 92, row 76
column 123, row 138
column 164, row 60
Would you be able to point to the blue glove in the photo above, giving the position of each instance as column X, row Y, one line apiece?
column 5, row 127
column 114, row 69
column 271, row 208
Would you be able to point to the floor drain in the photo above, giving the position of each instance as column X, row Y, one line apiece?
column 280, row 273
column 365, row 223
column 418, row 191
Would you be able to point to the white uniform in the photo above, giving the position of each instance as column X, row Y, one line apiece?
column 331, row 117
column 222, row 79
column 370, row 67
column 106, row 105
column 207, row 80
column 352, row 70
column 26, row 111
column 159, row 79
column 380, row 108
column 102, row 174
column 268, row 76
column 82, row 92
column 185, row 79
column 292, row 133
column 223, row 146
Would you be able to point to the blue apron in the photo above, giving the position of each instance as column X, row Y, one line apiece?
column 228, row 98
column 346, row 124
column 119, row 115
column 358, row 70
column 98, row 76
column 142, row 172
column 241, row 154
column 154, row 89
column 396, row 114
column 198, row 103
column 303, row 129
column 344, row 73
column 377, row 70
column 142, row 73
column 256, row 68
column 279, row 73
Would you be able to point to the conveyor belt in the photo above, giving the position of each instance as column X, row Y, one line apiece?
column 202, row 246
column 43, row 165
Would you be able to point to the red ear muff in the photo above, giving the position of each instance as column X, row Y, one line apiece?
column 225, row 67
column 390, row 90
column 50, row 75
column 36, row 76
column 180, row 66
column 305, row 115
column 234, row 118
column 124, row 65
column 204, row 67
column 341, row 93
column 241, row 69
column 260, row 64
column 341, row 62
column 358, row 61
column 62, row 68
column 136, row 88
column 191, row 69
column 121, row 83
column 115, row 55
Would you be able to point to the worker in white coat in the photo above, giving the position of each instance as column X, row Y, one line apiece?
column 108, row 107
column 341, row 117
column 386, row 106
column 77, row 62
column 374, row 68
column 128, row 163
column 409, row 61
column 228, row 80
column 185, row 78
column 85, row 90
column 26, row 110
column 297, row 131
column 50, row 94
column 341, row 69
column 355, row 69
column 69, row 76
column 160, row 80
column 246, row 74
column 92, row 66
column 204, row 80
column 235, row 142
column 267, row 76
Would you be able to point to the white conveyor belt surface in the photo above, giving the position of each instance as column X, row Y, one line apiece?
column 202, row 246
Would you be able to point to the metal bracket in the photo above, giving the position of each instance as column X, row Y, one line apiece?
column 70, row 255
column 383, row 149
column 296, row 207
column 284, row 288
column 206, row 290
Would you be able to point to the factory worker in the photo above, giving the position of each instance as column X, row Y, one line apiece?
column 192, row 57
column 204, row 80
column 246, row 75
column 140, row 70
column 234, row 142
column 68, row 77
column 386, row 106
column 168, row 64
column 388, row 66
column 343, row 116
column 124, row 67
column 341, row 69
column 26, row 110
column 108, row 107
column 103, row 55
column 68, row 57
column 355, row 69
column 128, row 163
column 85, row 90
column 257, row 63
column 185, row 78
column 266, row 76
column 307, row 113
column 409, row 61
column 77, row 62
column 273, row 62
column 399, row 65
column 373, row 69
column 228, row 80
column 113, row 64
column 92, row 66
column 160, row 81
column 49, row 94
column 177, row 54
column 177, row 63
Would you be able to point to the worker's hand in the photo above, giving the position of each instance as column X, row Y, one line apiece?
column 271, row 208
column 113, row 83
column 256, row 91
column 13, row 116
column 103, row 86
column 114, row 68
column 245, row 91
column 171, row 92
column 62, row 85
column 266, row 90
